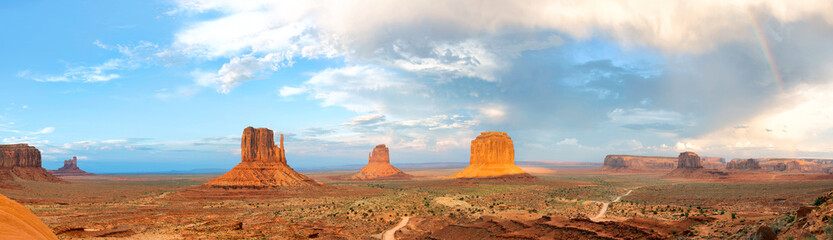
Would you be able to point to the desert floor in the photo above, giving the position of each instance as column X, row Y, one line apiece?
column 159, row 207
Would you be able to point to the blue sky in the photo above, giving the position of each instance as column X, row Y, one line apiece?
column 131, row 86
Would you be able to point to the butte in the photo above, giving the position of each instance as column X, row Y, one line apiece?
column 70, row 168
column 379, row 168
column 690, row 165
column 492, row 157
column 263, row 165
column 22, row 162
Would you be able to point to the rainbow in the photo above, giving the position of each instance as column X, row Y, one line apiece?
column 756, row 27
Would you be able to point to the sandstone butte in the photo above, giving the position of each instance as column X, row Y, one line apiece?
column 690, row 165
column 70, row 168
column 379, row 167
column 263, row 165
column 790, row 165
column 17, row 222
column 631, row 162
column 24, row 162
column 492, row 155
column 738, row 164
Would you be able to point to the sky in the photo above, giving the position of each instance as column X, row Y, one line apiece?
column 167, row 85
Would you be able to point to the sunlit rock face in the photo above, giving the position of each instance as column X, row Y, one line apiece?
column 263, row 165
column 689, row 160
column 738, row 164
column 70, row 168
column 21, row 161
column 17, row 222
column 492, row 155
column 379, row 167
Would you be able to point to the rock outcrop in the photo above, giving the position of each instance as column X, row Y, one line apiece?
column 17, row 222
column 617, row 162
column 689, row 160
column 263, row 165
column 378, row 167
column 714, row 162
column 70, row 168
column 689, row 165
column 492, row 156
column 21, row 161
column 738, row 164
column 790, row 165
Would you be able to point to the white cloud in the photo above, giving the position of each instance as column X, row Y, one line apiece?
column 287, row 91
column 568, row 142
column 365, row 120
column 45, row 130
column 132, row 58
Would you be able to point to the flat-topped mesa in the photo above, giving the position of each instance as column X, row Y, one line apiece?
column 263, row 165
column 378, row 167
column 19, row 155
column 616, row 162
column 790, row 165
column 738, row 164
column 689, row 160
column 492, row 155
column 70, row 168
column 21, row 161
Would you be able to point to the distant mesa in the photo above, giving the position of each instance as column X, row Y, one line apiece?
column 623, row 162
column 70, row 168
column 22, row 162
column 738, row 164
column 791, row 165
column 379, row 168
column 690, row 165
column 492, row 156
column 17, row 222
column 263, row 165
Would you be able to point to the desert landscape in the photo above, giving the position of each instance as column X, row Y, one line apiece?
column 263, row 197
column 420, row 119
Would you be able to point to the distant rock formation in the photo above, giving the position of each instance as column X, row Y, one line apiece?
column 21, row 161
column 689, row 165
column 790, row 165
column 616, row 162
column 748, row 164
column 378, row 167
column 689, row 160
column 17, row 222
column 70, row 168
column 714, row 162
column 263, row 165
column 492, row 156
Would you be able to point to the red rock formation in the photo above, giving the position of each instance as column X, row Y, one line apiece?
column 263, row 165
column 70, row 168
column 689, row 160
column 748, row 164
column 19, row 155
column 21, row 161
column 492, row 155
column 689, row 165
column 790, row 165
column 17, row 222
column 638, row 162
column 378, row 166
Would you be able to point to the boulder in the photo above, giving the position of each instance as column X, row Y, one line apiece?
column 263, row 165
column 689, row 160
column 748, row 164
column 492, row 155
column 70, row 168
column 378, row 167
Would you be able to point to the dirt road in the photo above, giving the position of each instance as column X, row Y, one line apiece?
column 605, row 205
column 388, row 235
